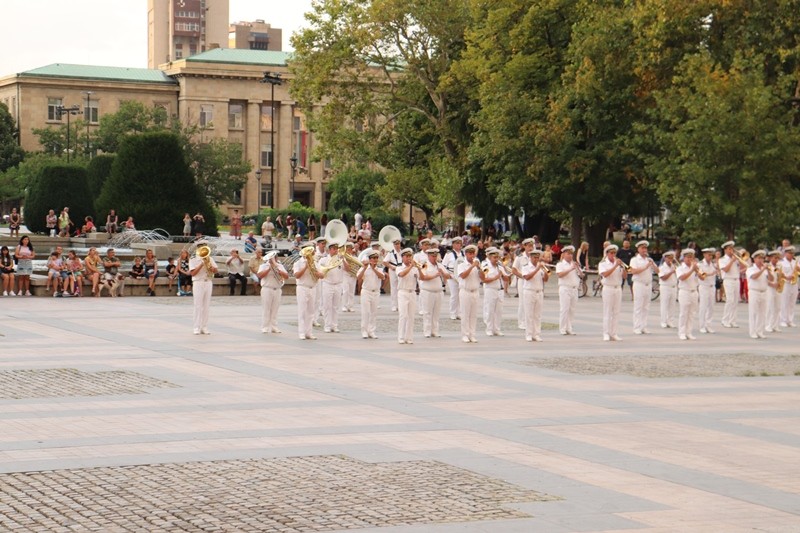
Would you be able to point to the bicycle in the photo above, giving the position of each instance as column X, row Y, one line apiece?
column 583, row 286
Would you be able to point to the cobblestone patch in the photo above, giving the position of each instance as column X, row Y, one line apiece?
column 58, row 382
column 675, row 366
column 283, row 495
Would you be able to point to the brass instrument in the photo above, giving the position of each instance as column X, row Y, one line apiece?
column 700, row 273
column 795, row 275
column 308, row 254
column 267, row 259
column 780, row 278
column 336, row 262
column 352, row 264
column 742, row 255
column 204, row 253
column 544, row 267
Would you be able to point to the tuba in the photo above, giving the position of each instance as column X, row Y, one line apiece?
column 336, row 232
column 204, row 253
column 387, row 236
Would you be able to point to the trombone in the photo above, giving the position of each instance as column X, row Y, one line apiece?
column 742, row 255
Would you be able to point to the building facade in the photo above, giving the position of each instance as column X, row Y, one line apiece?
column 219, row 90
column 256, row 35
column 177, row 29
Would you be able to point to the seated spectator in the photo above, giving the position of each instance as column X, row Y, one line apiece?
column 250, row 243
column 75, row 273
column 253, row 265
column 112, row 222
column 547, row 255
column 92, row 264
column 236, row 271
column 137, row 270
column 55, row 265
column 129, row 225
column 111, row 273
column 184, row 277
column 7, row 271
column 172, row 272
column 88, row 225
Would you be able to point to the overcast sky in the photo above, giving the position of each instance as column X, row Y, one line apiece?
column 35, row 33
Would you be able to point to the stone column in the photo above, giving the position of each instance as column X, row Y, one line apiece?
column 283, row 153
column 252, row 153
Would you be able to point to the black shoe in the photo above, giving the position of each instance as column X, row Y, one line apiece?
column 152, row 293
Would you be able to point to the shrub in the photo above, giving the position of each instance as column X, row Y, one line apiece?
column 98, row 170
column 54, row 187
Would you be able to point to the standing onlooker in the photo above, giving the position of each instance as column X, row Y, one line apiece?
column 187, row 224
column 311, row 224
column 198, row 225
column 24, row 254
column 7, row 271
column 279, row 227
column 323, row 223
column 267, row 230
column 14, row 222
column 112, row 222
column 582, row 256
column 51, row 221
column 64, row 223
column 184, row 275
column 236, row 272
column 202, row 272
column 236, row 225
column 289, row 225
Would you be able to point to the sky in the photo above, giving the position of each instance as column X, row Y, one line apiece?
column 35, row 33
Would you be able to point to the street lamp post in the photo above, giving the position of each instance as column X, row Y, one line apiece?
column 62, row 110
column 293, row 163
column 273, row 78
column 258, row 195
column 88, row 114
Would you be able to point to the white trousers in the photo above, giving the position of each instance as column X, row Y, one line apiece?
column 469, row 312
column 612, row 300
column 708, row 297
column 369, row 311
column 201, row 297
column 534, row 302
column 731, row 301
column 687, row 300
column 407, row 308
column 306, row 309
column 521, row 305
column 431, row 309
column 317, row 302
column 641, row 304
column 348, row 292
column 270, row 302
column 789, row 298
column 567, row 303
column 493, row 309
column 393, row 287
column 455, row 304
column 669, row 304
column 774, row 303
column 756, row 311
column 331, row 301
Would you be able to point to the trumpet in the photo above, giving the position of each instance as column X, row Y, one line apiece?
column 700, row 273
column 741, row 255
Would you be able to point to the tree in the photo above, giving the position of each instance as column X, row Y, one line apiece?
column 220, row 168
column 356, row 189
column 132, row 118
column 11, row 154
column 57, row 185
column 157, row 189
column 98, row 170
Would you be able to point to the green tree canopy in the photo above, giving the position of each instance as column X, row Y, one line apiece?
column 57, row 185
column 356, row 189
column 11, row 154
column 220, row 168
column 98, row 170
column 157, row 189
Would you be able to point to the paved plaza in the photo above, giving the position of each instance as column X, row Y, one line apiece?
column 115, row 417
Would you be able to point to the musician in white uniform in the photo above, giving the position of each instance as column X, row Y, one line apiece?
column 407, row 277
column 349, row 283
column 729, row 268
column 202, row 272
column 272, row 276
column 707, row 289
column 688, row 298
column 758, row 278
column 421, row 257
column 642, row 269
column 774, row 298
column 332, row 288
column 306, row 292
column 534, row 276
column 612, row 272
column 430, row 285
column 569, row 278
column 470, row 277
column 393, row 260
column 495, row 280
column 789, row 294
column 516, row 268
column 450, row 262
column 321, row 251
column 371, row 278
column 668, row 289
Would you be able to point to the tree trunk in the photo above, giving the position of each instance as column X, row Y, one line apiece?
column 575, row 229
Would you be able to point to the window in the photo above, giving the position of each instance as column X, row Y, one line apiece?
column 266, row 155
column 235, row 116
column 266, row 195
column 92, row 112
column 178, row 54
column 266, row 117
column 206, row 115
column 52, row 108
column 237, row 197
column 187, row 26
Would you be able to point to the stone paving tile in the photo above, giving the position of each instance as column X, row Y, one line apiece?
column 268, row 495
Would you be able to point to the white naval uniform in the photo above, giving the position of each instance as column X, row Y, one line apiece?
column 270, row 296
column 687, row 300
column 708, row 295
column 348, row 289
column 406, row 302
column 534, row 300
column 468, row 296
column 642, row 292
column 370, row 294
column 789, row 294
column 318, row 296
column 519, row 263
column 430, row 291
column 202, row 288
column 756, row 301
column 450, row 261
column 730, row 281
column 612, row 295
column 774, row 302
column 493, row 297
column 306, row 292
column 567, row 295
column 668, row 292
column 394, row 259
column 421, row 258
column 332, row 293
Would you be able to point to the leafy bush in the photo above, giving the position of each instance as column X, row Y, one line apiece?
column 98, row 170
column 151, row 181
column 54, row 187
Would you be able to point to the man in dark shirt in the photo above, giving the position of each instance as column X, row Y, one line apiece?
column 625, row 254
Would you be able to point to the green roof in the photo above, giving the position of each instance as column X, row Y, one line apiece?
column 242, row 57
column 92, row 72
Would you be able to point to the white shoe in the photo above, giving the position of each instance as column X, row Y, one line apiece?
column 327, row 330
column 365, row 336
column 691, row 337
column 616, row 338
column 768, row 330
column 710, row 330
column 409, row 342
column 394, row 309
column 373, row 336
column 489, row 334
column 564, row 332
column 473, row 339
column 762, row 336
column 637, row 332
column 302, row 337
column 683, row 337
column 336, row 330
column 401, row 341
column 571, row 332
column 264, row 330
column 784, row 325
column 703, row 330
column 734, row 325
column 753, row 336
column 499, row 334
column 316, row 324
column 28, row 293
column 724, row 325
column 344, row 309
column 5, row 293
column 12, row 293
column 646, row 331
column 606, row 338
column 664, row 326
column 537, row 338
column 791, row 324
column 311, row 337
column 196, row 332
column 276, row 330
column 205, row 331
column 529, row 339
column 464, row 339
